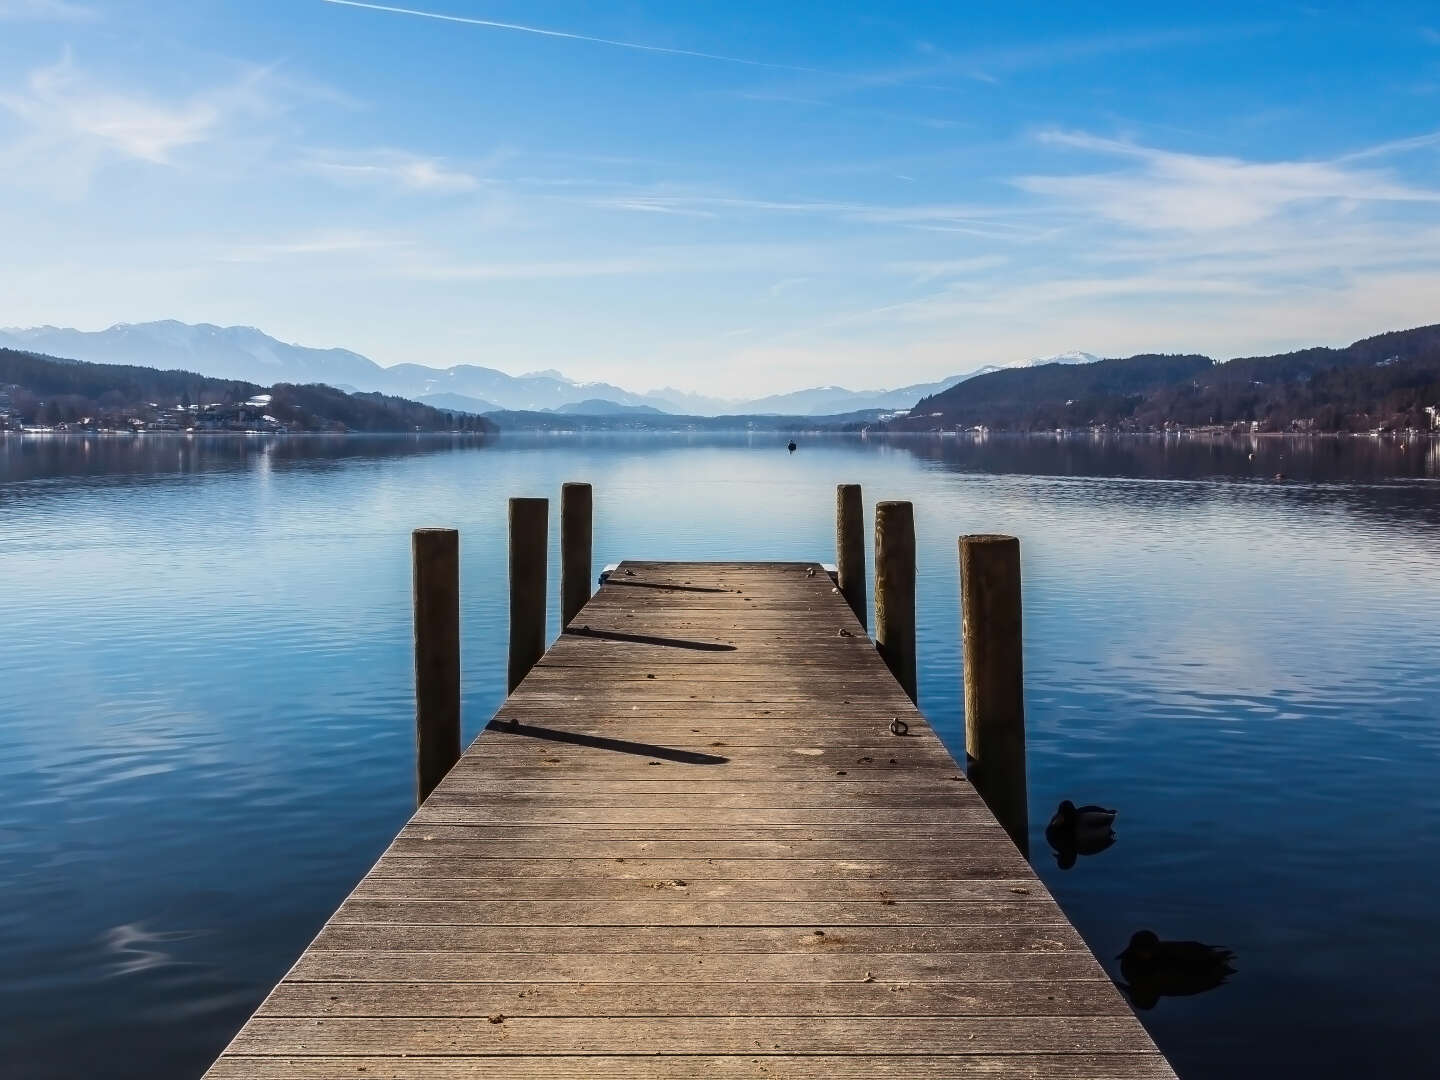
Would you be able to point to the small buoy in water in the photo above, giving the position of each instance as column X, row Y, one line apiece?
column 791, row 447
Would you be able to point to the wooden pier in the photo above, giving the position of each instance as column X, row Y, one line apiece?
column 709, row 835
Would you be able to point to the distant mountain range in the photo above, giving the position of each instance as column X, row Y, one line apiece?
column 1387, row 382
column 245, row 353
column 72, row 395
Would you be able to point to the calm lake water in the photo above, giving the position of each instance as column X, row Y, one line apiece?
column 206, row 713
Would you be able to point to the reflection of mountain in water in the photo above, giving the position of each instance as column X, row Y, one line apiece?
column 1325, row 474
column 162, row 457
column 1318, row 459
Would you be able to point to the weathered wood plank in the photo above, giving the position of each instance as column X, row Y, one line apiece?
column 785, row 801
column 690, row 845
column 749, row 1066
column 645, row 832
column 521, row 1035
column 1029, row 935
column 1059, row 998
column 671, row 912
column 995, row 862
column 798, row 892
column 520, row 819
column 745, row 969
column 957, row 851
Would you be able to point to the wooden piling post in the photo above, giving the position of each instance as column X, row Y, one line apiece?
column 850, row 547
column 436, row 557
column 994, row 679
column 895, row 590
column 529, row 528
column 575, row 554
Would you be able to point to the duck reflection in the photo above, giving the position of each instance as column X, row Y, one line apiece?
column 1079, row 830
column 1154, row 969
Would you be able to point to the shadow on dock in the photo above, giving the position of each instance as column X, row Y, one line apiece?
column 600, row 742
column 646, row 639
column 613, row 580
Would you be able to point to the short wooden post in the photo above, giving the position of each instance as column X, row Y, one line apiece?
column 994, row 679
column 850, row 547
column 895, row 590
column 436, row 556
column 529, row 526
column 575, row 558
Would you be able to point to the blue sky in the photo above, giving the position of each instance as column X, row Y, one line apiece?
column 736, row 198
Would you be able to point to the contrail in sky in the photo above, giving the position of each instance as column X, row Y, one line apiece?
column 562, row 34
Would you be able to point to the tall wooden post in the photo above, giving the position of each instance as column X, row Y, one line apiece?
column 436, row 557
column 529, row 526
column 575, row 542
column 895, row 590
column 850, row 547
column 994, row 679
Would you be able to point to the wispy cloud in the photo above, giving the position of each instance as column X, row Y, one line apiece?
column 638, row 261
column 67, row 112
column 46, row 11
column 1002, row 222
column 1068, row 50
column 392, row 168
column 1395, row 146
column 1198, row 193
column 616, row 266
column 785, row 284
column 70, row 123
column 316, row 244
column 924, row 271
column 566, row 35
column 860, row 111
column 991, row 65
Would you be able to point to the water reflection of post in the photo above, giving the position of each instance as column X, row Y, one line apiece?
column 994, row 679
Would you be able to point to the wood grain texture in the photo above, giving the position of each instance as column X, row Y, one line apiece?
column 850, row 547
column 576, row 510
column 994, row 678
column 436, row 557
column 754, row 1066
column 689, row 845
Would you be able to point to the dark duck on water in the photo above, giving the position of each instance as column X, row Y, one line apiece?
column 1154, row 969
column 1079, row 830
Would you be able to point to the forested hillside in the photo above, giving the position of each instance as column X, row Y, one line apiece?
column 46, row 391
column 1382, row 382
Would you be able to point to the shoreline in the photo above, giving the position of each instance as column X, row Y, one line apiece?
column 1079, row 433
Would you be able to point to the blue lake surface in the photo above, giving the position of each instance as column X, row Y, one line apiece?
column 206, row 726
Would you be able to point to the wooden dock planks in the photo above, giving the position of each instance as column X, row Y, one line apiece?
column 689, row 845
